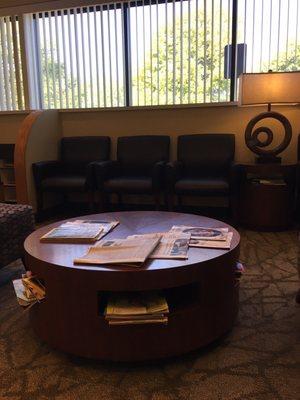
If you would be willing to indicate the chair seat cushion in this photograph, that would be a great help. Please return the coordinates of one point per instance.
(65, 183)
(202, 186)
(127, 184)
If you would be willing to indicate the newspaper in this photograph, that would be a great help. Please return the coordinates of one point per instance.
(79, 231)
(136, 308)
(213, 244)
(29, 290)
(131, 252)
(172, 245)
(201, 232)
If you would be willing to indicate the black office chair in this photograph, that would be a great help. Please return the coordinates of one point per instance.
(73, 172)
(203, 166)
(139, 168)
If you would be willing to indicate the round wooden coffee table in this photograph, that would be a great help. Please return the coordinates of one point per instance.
(202, 293)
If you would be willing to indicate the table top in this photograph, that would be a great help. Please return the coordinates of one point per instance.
(132, 222)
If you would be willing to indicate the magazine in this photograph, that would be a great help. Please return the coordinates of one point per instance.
(172, 245)
(29, 291)
(136, 308)
(213, 244)
(79, 231)
(131, 252)
(202, 233)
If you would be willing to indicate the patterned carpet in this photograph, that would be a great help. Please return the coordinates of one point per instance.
(258, 360)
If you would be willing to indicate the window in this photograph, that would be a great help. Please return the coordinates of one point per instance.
(81, 57)
(11, 92)
(144, 52)
(271, 31)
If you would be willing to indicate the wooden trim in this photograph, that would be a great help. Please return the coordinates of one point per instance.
(20, 157)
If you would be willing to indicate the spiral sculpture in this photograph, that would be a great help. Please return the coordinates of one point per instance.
(257, 145)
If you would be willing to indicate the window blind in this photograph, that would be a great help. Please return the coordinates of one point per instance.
(11, 80)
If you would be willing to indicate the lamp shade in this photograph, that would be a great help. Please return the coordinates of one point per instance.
(269, 88)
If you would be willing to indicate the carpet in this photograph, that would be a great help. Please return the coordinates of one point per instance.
(258, 360)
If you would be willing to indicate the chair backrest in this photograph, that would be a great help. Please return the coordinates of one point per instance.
(77, 152)
(207, 153)
(138, 154)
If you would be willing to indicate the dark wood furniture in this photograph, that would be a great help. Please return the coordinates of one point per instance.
(203, 167)
(202, 293)
(139, 168)
(267, 206)
(74, 171)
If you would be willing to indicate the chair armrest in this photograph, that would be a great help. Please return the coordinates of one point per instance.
(174, 171)
(103, 170)
(158, 175)
(45, 169)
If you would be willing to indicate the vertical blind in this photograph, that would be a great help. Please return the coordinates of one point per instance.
(81, 57)
(11, 81)
(143, 52)
(134, 53)
(271, 31)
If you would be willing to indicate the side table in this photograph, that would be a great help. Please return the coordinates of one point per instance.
(266, 196)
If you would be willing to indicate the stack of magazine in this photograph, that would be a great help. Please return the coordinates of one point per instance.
(214, 238)
(79, 231)
(136, 308)
(29, 290)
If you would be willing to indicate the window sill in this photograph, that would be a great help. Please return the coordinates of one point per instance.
(146, 108)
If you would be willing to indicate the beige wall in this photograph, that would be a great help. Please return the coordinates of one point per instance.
(9, 126)
(177, 121)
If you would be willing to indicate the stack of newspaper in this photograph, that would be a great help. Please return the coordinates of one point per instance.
(136, 249)
(136, 308)
(79, 231)
(214, 238)
(29, 290)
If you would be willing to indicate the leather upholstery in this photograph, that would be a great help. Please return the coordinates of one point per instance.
(128, 184)
(65, 183)
(73, 170)
(139, 167)
(206, 154)
(202, 185)
(77, 152)
(203, 166)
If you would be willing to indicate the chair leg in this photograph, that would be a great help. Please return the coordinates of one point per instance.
(170, 202)
(100, 201)
(119, 200)
(91, 201)
(179, 199)
(157, 201)
(39, 201)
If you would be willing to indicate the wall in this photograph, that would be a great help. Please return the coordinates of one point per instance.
(177, 121)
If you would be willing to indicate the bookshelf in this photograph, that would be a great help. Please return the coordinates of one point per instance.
(7, 173)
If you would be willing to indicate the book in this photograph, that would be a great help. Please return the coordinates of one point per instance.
(213, 244)
(79, 231)
(129, 252)
(172, 245)
(201, 233)
(129, 308)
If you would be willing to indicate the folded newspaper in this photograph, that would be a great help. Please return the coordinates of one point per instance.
(213, 244)
(131, 252)
(172, 245)
(29, 291)
(129, 308)
(79, 231)
(201, 233)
